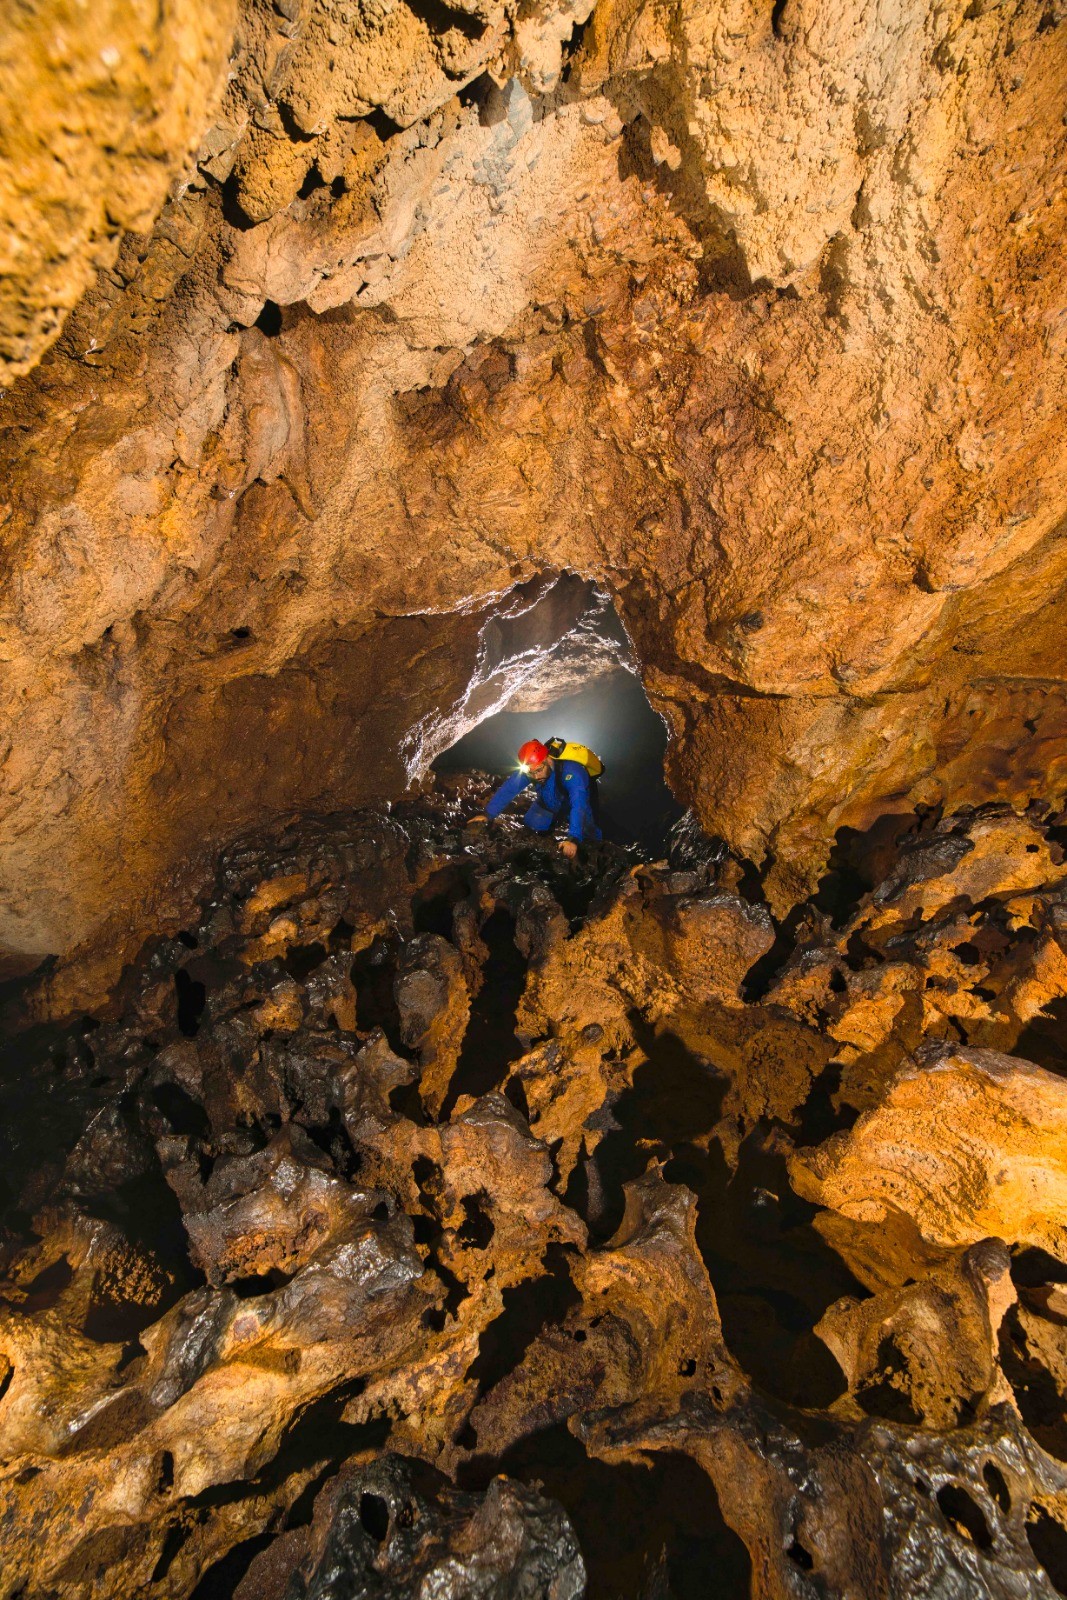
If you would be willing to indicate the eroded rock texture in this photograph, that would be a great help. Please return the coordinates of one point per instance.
(751, 315)
(433, 1216)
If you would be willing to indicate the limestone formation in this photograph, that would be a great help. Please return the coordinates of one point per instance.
(391, 1206)
(751, 318)
(330, 1273)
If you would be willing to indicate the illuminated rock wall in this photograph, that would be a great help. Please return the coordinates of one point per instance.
(752, 316)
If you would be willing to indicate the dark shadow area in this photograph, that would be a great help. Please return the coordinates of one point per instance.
(675, 1099)
(859, 860)
(433, 905)
(490, 1044)
(527, 1309)
(373, 975)
(773, 1274)
(1044, 1040)
(819, 1117)
(642, 1530)
(613, 717)
(222, 1577)
(1040, 1403)
(1048, 1541)
(145, 1209)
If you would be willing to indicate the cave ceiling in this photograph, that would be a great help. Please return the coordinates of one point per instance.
(330, 327)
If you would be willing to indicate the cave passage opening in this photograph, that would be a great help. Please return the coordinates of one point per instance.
(612, 716)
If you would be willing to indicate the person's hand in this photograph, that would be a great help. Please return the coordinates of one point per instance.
(569, 848)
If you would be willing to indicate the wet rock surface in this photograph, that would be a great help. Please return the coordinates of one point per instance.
(432, 1215)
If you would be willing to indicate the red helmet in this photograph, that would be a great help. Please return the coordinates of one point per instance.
(532, 753)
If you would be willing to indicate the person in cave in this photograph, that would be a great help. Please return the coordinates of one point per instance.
(564, 778)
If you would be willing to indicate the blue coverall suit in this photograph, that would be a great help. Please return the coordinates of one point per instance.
(566, 789)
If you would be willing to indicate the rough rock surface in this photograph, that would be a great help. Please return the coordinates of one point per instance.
(432, 1213)
(751, 315)
(99, 108)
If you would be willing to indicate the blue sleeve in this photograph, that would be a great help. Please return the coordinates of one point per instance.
(506, 793)
(577, 781)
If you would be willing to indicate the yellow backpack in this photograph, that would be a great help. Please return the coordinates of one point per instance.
(562, 750)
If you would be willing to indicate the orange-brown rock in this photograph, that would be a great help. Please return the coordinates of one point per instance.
(798, 413)
(929, 1350)
(99, 109)
(965, 1144)
(294, 1301)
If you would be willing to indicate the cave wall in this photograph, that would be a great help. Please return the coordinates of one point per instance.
(753, 316)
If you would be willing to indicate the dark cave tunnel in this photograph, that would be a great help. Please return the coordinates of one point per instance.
(611, 714)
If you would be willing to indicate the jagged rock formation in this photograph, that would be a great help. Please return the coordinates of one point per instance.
(395, 1210)
(751, 314)
(99, 110)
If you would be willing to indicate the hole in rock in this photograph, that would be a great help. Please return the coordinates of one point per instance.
(799, 1556)
(664, 1533)
(301, 960)
(192, 998)
(455, 1294)
(515, 1093)
(1031, 1267)
(1048, 1541)
(176, 1536)
(6, 1376)
(819, 1117)
(675, 1100)
(433, 905)
(997, 1486)
(860, 859)
(887, 1394)
(490, 1044)
(313, 179)
(257, 1284)
(269, 320)
(182, 1112)
(476, 1233)
(571, 48)
(1040, 1403)
(773, 1274)
(374, 1516)
(373, 974)
(964, 1515)
(611, 715)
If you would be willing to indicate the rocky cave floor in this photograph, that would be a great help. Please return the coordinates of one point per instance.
(437, 1218)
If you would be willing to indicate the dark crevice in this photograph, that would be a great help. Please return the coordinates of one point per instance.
(374, 976)
(664, 1536)
(222, 1578)
(301, 960)
(191, 998)
(1048, 1541)
(527, 1309)
(490, 1043)
(964, 1515)
(269, 320)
